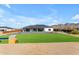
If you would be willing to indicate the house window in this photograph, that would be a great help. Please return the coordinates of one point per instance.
(40, 29)
(27, 30)
(2, 30)
(34, 29)
(49, 29)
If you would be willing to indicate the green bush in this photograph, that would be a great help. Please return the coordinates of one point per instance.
(75, 32)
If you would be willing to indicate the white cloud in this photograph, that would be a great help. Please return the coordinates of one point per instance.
(54, 11)
(4, 20)
(48, 20)
(2, 24)
(20, 21)
(76, 22)
(1, 16)
(2, 12)
(12, 20)
(56, 21)
(76, 17)
(7, 5)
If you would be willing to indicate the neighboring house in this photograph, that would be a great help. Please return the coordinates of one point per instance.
(4, 28)
(38, 28)
(8, 30)
(68, 27)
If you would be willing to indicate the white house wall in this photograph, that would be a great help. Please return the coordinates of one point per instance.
(5, 29)
(9, 29)
(47, 29)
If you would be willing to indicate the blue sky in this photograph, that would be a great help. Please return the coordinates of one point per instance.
(20, 15)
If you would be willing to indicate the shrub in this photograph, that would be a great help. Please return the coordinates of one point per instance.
(75, 32)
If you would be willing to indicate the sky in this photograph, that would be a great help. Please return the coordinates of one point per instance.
(21, 15)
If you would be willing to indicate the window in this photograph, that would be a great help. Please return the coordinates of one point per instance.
(1, 29)
(40, 29)
(34, 29)
(27, 30)
(49, 29)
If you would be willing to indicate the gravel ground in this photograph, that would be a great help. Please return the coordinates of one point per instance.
(66, 48)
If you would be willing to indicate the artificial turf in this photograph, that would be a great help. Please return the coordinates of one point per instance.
(45, 38)
(42, 38)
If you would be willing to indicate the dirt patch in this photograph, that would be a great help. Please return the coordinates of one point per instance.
(40, 49)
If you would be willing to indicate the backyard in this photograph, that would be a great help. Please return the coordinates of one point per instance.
(41, 38)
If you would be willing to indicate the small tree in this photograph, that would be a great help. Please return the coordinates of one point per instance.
(75, 31)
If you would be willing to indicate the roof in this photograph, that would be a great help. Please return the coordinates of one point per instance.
(6, 27)
(37, 26)
(66, 26)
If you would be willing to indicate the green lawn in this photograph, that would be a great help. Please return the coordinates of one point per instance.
(42, 38)
(45, 38)
(4, 41)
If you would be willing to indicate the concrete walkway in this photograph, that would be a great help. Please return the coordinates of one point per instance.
(66, 48)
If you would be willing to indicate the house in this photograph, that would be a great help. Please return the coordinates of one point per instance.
(38, 28)
(68, 27)
(5, 30)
